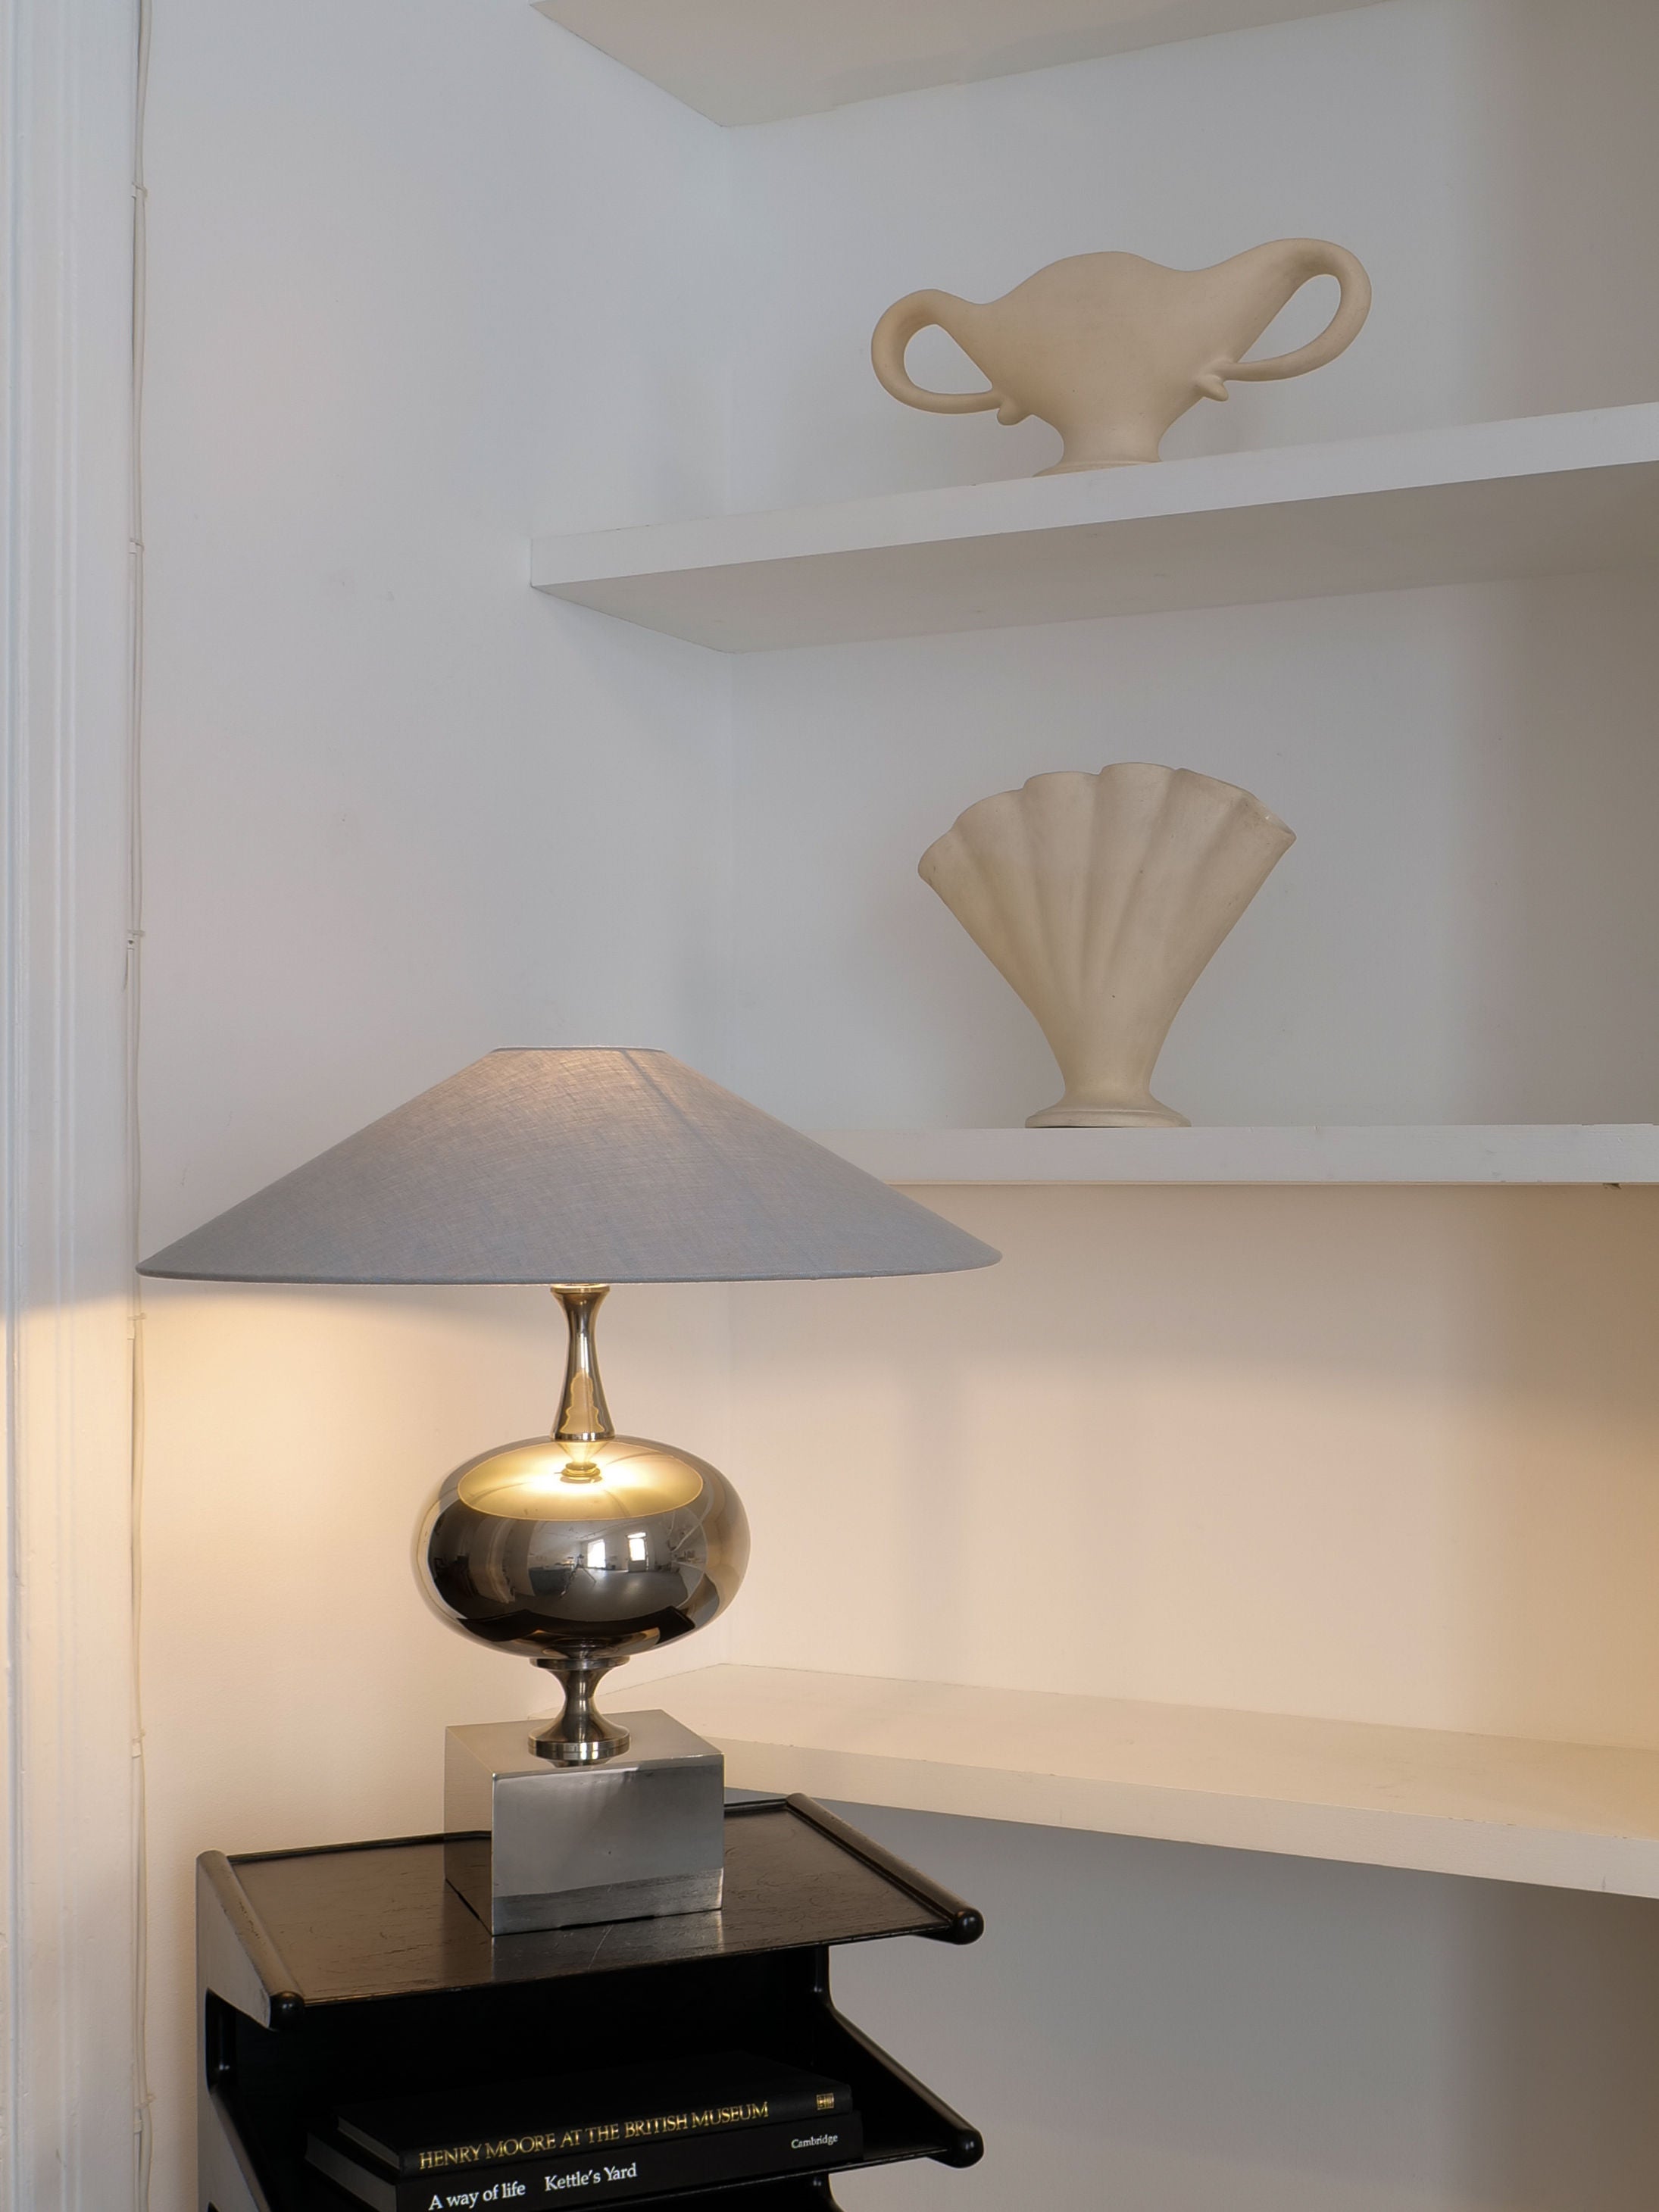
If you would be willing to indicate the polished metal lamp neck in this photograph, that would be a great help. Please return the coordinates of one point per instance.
(581, 1736)
(584, 1417)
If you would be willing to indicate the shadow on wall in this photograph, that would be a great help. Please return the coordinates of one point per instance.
(1555, 790)
(1158, 2027)
(1556, 120)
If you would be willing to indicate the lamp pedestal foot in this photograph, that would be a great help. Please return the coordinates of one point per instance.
(534, 1844)
(581, 1736)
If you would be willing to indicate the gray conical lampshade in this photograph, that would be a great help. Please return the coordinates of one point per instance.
(572, 1164)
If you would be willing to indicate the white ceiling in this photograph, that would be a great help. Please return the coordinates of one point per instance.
(754, 61)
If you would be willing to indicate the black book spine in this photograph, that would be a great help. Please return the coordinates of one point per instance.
(804, 2146)
(670, 2125)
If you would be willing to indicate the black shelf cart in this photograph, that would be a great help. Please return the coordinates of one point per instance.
(333, 1975)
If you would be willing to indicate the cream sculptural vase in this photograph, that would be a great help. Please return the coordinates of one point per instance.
(1112, 349)
(1102, 899)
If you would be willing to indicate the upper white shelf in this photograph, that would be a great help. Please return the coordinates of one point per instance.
(755, 61)
(1545, 495)
(1525, 1153)
(1572, 1816)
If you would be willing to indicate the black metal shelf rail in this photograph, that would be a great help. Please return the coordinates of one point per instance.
(265, 2084)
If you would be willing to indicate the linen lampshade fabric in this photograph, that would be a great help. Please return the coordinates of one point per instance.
(572, 1164)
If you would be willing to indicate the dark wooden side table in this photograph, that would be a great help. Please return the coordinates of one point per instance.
(325, 1976)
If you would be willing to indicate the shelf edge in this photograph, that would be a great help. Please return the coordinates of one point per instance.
(1567, 1816)
(1466, 1155)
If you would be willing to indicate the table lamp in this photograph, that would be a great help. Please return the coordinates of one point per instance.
(579, 1168)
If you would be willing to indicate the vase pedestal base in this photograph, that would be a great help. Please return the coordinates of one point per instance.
(1108, 1117)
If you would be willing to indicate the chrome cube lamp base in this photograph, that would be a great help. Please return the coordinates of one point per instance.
(581, 1550)
(530, 1845)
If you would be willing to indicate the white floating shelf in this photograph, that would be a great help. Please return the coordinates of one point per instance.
(1571, 1816)
(1605, 1153)
(755, 61)
(1547, 494)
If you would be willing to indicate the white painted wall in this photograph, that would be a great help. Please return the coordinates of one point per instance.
(427, 276)
(398, 809)
(1171, 2029)
(1273, 1421)
(1381, 1455)
(1491, 162)
(1462, 932)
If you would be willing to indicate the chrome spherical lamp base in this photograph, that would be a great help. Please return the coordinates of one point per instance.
(583, 1548)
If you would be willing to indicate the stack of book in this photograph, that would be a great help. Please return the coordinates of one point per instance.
(578, 2138)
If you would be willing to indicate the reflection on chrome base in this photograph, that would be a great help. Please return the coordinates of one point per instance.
(532, 1845)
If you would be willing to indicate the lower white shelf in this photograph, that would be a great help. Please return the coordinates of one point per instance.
(1520, 1153)
(1569, 1816)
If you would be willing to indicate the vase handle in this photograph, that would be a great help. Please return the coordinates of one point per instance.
(1313, 257)
(920, 311)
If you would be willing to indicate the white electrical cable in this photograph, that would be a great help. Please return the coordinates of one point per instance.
(143, 2140)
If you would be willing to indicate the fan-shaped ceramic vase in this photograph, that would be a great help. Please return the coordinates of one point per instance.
(1102, 899)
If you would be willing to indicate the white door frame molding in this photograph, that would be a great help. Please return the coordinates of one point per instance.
(68, 1861)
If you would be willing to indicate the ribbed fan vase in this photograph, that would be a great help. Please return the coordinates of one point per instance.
(1102, 899)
